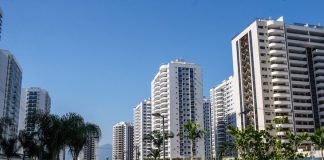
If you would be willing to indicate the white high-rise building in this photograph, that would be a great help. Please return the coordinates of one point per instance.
(279, 72)
(123, 135)
(208, 129)
(10, 89)
(33, 99)
(142, 127)
(177, 95)
(90, 150)
(223, 114)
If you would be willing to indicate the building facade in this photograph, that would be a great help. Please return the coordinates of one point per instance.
(10, 89)
(278, 71)
(123, 135)
(90, 150)
(208, 129)
(177, 95)
(223, 114)
(33, 99)
(142, 127)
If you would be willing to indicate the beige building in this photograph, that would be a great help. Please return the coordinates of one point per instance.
(279, 72)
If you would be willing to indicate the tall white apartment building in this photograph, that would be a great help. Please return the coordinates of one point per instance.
(223, 114)
(91, 149)
(208, 129)
(10, 88)
(177, 95)
(142, 126)
(123, 135)
(33, 99)
(279, 71)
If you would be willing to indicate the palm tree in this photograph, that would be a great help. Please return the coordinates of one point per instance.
(194, 132)
(77, 132)
(10, 147)
(50, 134)
(318, 138)
(28, 143)
(5, 123)
(157, 140)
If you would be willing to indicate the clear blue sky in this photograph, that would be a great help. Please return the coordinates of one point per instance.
(98, 57)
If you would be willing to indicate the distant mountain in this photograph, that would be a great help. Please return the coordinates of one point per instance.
(105, 151)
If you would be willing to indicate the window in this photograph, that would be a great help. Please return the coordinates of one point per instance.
(261, 34)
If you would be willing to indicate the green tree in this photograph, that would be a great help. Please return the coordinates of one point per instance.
(77, 132)
(261, 145)
(29, 144)
(318, 138)
(156, 138)
(193, 132)
(50, 133)
(10, 147)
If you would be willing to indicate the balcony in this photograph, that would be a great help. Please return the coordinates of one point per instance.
(281, 95)
(276, 87)
(282, 80)
(276, 32)
(297, 55)
(279, 73)
(304, 76)
(298, 62)
(278, 59)
(276, 39)
(282, 110)
(278, 66)
(284, 125)
(277, 52)
(296, 49)
(279, 102)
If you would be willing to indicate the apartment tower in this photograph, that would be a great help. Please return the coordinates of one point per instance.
(223, 114)
(208, 129)
(142, 126)
(90, 150)
(10, 89)
(33, 99)
(177, 96)
(279, 72)
(123, 134)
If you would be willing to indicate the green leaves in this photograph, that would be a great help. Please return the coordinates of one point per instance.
(261, 145)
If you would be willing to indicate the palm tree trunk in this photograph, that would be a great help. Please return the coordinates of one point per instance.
(192, 150)
(322, 153)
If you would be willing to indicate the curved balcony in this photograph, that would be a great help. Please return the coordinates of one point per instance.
(278, 59)
(281, 95)
(319, 58)
(278, 66)
(284, 125)
(298, 62)
(274, 24)
(276, 45)
(279, 102)
(275, 32)
(281, 133)
(279, 73)
(276, 39)
(319, 71)
(282, 110)
(319, 78)
(280, 88)
(296, 55)
(296, 49)
(275, 52)
(275, 80)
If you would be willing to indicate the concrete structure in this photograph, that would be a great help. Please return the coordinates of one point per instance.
(142, 127)
(208, 129)
(223, 114)
(123, 135)
(33, 99)
(278, 72)
(177, 95)
(10, 89)
(90, 150)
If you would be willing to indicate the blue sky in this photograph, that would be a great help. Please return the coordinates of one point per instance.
(98, 57)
